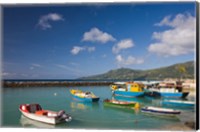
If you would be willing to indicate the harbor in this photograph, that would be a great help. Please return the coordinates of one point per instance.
(84, 113)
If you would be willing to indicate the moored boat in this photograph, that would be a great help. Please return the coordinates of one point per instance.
(160, 111)
(84, 96)
(129, 89)
(179, 102)
(35, 112)
(169, 90)
(123, 104)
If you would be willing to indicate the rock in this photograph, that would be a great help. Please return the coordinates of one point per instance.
(190, 124)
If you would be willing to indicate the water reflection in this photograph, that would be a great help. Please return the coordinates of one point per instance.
(81, 105)
(153, 116)
(26, 122)
(161, 103)
(121, 98)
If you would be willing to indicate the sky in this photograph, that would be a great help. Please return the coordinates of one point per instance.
(77, 40)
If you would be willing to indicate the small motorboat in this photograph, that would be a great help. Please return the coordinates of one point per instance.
(84, 96)
(121, 103)
(35, 112)
(160, 111)
(179, 102)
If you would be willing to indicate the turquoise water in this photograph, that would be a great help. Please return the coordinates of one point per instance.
(85, 115)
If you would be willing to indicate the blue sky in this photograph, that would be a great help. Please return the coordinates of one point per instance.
(72, 41)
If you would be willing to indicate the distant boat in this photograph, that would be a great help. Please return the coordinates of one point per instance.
(160, 111)
(169, 89)
(168, 92)
(35, 112)
(84, 96)
(179, 102)
(121, 103)
(127, 89)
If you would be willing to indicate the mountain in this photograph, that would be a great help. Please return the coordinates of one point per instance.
(173, 71)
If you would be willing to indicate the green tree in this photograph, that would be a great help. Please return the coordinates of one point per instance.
(182, 70)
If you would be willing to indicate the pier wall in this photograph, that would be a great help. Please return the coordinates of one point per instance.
(52, 84)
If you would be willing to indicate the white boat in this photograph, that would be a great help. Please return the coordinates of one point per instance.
(160, 111)
(179, 102)
(26, 122)
(35, 112)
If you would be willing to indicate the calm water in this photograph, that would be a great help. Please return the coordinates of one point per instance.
(85, 115)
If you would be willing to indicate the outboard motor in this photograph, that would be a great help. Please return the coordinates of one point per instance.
(67, 117)
(61, 112)
(64, 116)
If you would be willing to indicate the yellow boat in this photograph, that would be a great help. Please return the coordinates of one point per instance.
(84, 96)
(128, 89)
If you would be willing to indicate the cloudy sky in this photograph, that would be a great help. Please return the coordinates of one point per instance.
(72, 41)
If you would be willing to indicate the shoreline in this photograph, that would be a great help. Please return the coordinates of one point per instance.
(186, 126)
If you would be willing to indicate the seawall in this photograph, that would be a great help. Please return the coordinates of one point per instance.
(52, 84)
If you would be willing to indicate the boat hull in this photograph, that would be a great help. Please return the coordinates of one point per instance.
(128, 94)
(86, 99)
(24, 121)
(179, 103)
(44, 119)
(152, 94)
(174, 95)
(160, 112)
(131, 105)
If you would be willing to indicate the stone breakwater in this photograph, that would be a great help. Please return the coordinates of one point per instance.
(52, 84)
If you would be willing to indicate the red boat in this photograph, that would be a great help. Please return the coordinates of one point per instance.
(35, 112)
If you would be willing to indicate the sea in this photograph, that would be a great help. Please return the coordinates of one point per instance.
(88, 115)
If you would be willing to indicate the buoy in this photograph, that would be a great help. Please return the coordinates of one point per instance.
(55, 94)
(137, 106)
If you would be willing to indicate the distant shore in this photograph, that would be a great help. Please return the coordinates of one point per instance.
(53, 83)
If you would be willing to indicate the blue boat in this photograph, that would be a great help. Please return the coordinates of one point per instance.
(128, 94)
(170, 89)
(179, 102)
(128, 89)
(166, 93)
(174, 95)
(84, 96)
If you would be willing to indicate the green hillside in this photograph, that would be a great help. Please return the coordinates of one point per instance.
(173, 71)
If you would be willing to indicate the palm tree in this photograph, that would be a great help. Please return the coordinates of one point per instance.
(182, 71)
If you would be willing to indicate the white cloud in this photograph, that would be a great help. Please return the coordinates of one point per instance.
(44, 21)
(64, 67)
(36, 65)
(123, 44)
(96, 35)
(77, 49)
(178, 40)
(90, 49)
(104, 56)
(74, 64)
(130, 60)
(33, 66)
(8, 74)
(72, 69)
